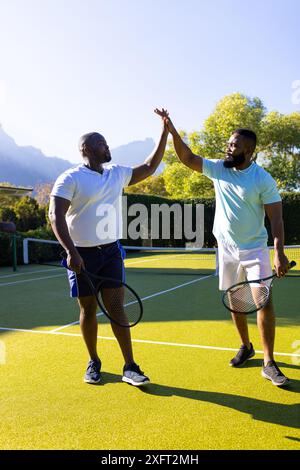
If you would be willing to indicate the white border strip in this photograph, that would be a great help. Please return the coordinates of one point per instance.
(25, 273)
(2, 284)
(143, 341)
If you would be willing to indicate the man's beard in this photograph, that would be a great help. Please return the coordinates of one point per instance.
(236, 160)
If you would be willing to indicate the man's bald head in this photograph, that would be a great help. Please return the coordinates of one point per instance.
(94, 148)
(90, 141)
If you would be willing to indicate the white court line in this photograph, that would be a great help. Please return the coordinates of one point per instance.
(144, 341)
(128, 262)
(144, 298)
(49, 277)
(29, 272)
(55, 269)
(29, 280)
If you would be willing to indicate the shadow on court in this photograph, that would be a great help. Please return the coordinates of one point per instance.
(258, 363)
(296, 439)
(274, 413)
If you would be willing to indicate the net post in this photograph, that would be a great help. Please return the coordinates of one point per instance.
(14, 251)
(217, 263)
(25, 251)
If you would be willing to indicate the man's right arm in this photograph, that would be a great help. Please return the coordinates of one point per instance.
(184, 153)
(57, 215)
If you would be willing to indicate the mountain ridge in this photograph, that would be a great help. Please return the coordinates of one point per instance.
(29, 166)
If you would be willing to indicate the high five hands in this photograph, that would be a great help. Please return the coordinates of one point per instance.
(163, 113)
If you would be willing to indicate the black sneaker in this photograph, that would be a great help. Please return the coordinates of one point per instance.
(242, 356)
(133, 375)
(93, 375)
(272, 372)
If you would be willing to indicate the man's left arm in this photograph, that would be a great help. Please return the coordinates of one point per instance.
(141, 172)
(274, 213)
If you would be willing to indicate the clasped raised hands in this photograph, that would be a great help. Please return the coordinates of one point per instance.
(163, 113)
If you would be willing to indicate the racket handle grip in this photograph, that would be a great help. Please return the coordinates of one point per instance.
(292, 264)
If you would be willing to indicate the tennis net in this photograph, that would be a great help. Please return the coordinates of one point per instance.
(171, 261)
(150, 260)
(141, 260)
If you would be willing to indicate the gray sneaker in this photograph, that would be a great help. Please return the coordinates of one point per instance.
(133, 375)
(272, 372)
(242, 356)
(92, 374)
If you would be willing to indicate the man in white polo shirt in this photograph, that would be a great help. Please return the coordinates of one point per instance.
(85, 214)
(244, 193)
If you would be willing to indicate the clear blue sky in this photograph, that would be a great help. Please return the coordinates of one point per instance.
(71, 66)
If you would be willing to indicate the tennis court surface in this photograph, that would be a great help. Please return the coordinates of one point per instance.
(184, 343)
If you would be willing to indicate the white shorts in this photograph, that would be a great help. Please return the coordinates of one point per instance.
(240, 265)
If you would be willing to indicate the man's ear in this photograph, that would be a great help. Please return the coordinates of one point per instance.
(85, 150)
(250, 148)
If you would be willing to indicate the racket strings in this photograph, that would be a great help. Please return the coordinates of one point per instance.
(122, 305)
(247, 298)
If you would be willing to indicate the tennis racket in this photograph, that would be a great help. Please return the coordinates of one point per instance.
(249, 296)
(119, 302)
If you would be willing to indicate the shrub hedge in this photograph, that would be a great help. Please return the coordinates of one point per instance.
(291, 212)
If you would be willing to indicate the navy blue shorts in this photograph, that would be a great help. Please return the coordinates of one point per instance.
(101, 261)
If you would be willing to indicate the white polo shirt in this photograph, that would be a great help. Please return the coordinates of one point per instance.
(95, 213)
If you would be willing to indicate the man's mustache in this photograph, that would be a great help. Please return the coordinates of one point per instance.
(234, 160)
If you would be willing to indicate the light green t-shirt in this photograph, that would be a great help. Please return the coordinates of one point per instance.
(240, 199)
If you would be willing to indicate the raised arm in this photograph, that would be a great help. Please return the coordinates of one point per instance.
(184, 153)
(57, 215)
(274, 213)
(150, 165)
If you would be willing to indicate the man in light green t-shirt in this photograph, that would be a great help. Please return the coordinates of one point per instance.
(245, 192)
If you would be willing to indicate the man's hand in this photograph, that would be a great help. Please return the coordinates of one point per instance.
(184, 153)
(74, 261)
(281, 264)
(163, 113)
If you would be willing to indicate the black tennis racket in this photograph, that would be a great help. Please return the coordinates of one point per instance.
(249, 296)
(116, 299)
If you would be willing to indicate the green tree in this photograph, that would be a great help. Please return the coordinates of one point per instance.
(232, 112)
(193, 140)
(280, 145)
(152, 185)
(181, 182)
(29, 214)
(7, 214)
